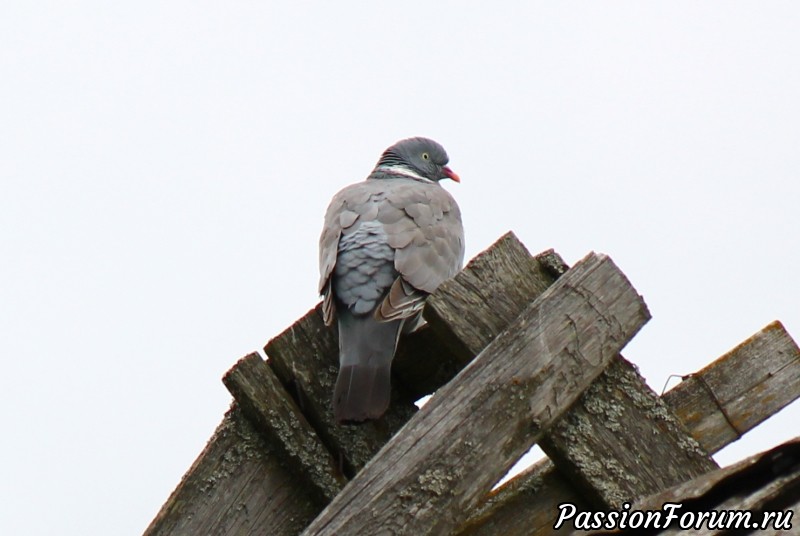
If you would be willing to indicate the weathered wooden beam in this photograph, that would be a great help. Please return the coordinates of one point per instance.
(264, 401)
(741, 389)
(768, 481)
(492, 290)
(244, 486)
(467, 436)
(468, 311)
(771, 352)
(620, 441)
(238, 485)
(588, 444)
(305, 356)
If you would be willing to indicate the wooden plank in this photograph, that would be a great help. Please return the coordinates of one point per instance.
(741, 389)
(621, 442)
(472, 430)
(305, 359)
(768, 481)
(470, 310)
(238, 485)
(305, 356)
(588, 444)
(495, 286)
(274, 414)
(771, 348)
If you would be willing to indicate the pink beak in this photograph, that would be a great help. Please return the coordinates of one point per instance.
(449, 173)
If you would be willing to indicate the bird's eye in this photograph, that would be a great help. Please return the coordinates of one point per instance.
(425, 156)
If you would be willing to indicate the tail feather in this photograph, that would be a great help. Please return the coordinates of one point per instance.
(361, 393)
(366, 349)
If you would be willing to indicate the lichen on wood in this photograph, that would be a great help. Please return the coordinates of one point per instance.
(549, 355)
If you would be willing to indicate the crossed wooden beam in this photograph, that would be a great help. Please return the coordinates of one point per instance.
(517, 350)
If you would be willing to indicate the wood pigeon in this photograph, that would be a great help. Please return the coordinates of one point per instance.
(386, 244)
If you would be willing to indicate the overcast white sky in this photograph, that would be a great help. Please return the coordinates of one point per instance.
(165, 167)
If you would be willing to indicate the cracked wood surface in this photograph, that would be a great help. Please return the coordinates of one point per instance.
(620, 441)
(305, 356)
(253, 485)
(472, 430)
(274, 414)
(238, 485)
(768, 361)
(741, 389)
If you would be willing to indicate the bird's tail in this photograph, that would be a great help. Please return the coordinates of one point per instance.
(366, 349)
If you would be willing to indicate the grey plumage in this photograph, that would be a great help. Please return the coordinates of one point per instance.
(387, 243)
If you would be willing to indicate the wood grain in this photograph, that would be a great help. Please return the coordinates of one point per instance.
(305, 359)
(305, 356)
(468, 311)
(471, 431)
(689, 401)
(238, 485)
(274, 414)
(741, 389)
(620, 441)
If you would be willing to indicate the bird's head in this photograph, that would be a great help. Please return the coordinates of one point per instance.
(417, 158)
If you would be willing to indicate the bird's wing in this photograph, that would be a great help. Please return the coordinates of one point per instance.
(346, 207)
(423, 225)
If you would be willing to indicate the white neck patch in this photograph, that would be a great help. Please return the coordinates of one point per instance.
(404, 171)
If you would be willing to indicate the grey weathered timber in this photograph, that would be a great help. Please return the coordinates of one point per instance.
(263, 400)
(587, 443)
(496, 286)
(305, 358)
(768, 481)
(238, 485)
(425, 480)
(620, 441)
(468, 311)
(772, 347)
(741, 389)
